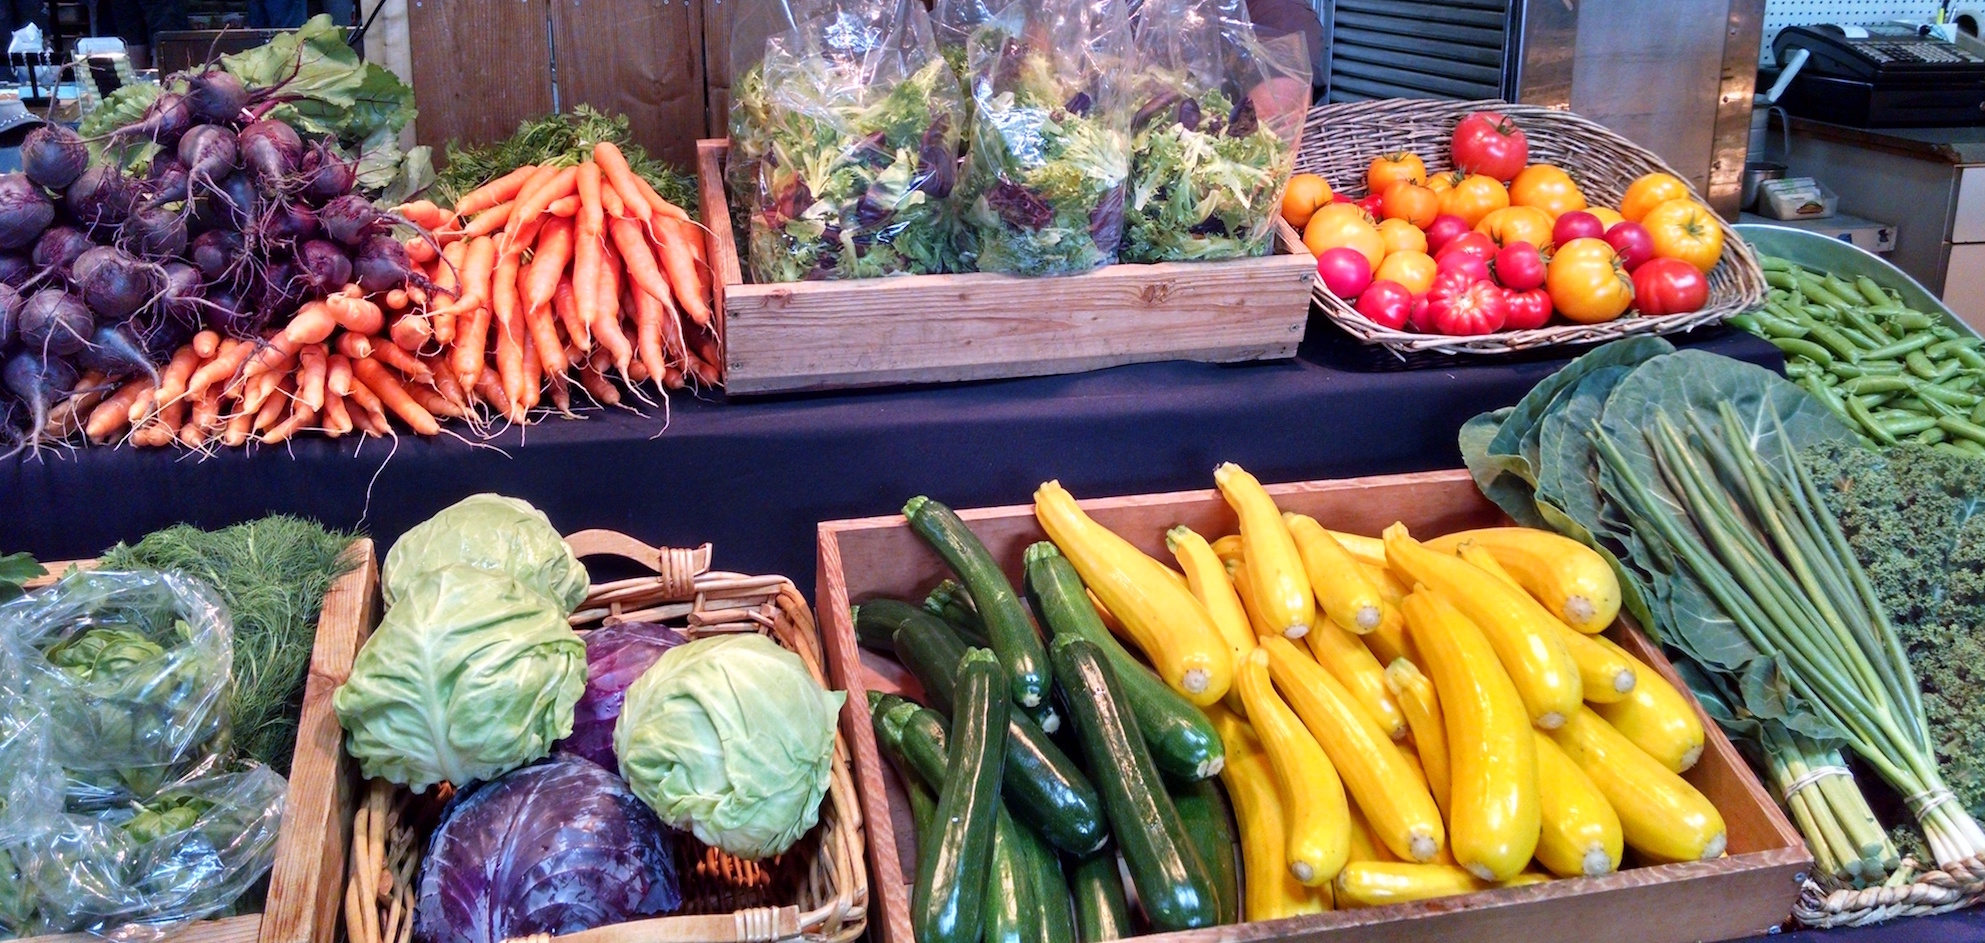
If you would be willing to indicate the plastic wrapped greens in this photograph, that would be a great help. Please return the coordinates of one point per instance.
(1049, 148)
(1219, 115)
(845, 138)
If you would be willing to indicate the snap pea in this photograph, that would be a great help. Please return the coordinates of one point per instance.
(1949, 397)
(1778, 327)
(1866, 420)
(1913, 342)
(1801, 368)
(1816, 291)
(1952, 449)
(1963, 381)
(1867, 368)
(1962, 429)
(1930, 436)
(1782, 278)
(1862, 385)
(1978, 413)
(1968, 447)
(1947, 372)
(1772, 263)
(1900, 423)
(1949, 348)
(1969, 358)
(1826, 395)
(1777, 309)
(1870, 290)
(1859, 338)
(1912, 320)
(1935, 407)
(1920, 364)
(1944, 332)
(1745, 323)
(1832, 340)
(1872, 400)
(1842, 288)
(1866, 325)
(1795, 347)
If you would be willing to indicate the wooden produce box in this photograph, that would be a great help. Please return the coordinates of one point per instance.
(1749, 891)
(935, 328)
(307, 882)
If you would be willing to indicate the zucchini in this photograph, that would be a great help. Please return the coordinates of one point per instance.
(1052, 918)
(1011, 911)
(950, 602)
(947, 902)
(871, 634)
(1045, 789)
(1097, 885)
(1210, 824)
(1182, 741)
(1007, 626)
(889, 740)
(1173, 885)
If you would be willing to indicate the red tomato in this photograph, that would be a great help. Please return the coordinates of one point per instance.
(1632, 243)
(1443, 229)
(1476, 269)
(1373, 205)
(1488, 143)
(1519, 267)
(1527, 309)
(1419, 320)
(1669, 286)
(1577, 224)
(1470, 243)
(1387, 304)
(1341, 197)
(1344, 270)
(1461, 307)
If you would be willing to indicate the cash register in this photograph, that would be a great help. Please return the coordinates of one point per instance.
(1883, 76)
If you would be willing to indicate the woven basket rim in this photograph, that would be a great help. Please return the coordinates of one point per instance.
(1938, 891)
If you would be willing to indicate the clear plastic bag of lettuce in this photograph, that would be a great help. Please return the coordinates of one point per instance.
(1218, 116)
(844, 140)
(131, 670)
(1050, 150)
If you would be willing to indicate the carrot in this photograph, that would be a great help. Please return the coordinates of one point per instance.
(396, 299)
(561, 394)
(679, 261)
(634, 255)
(354, 314)
(298, 418)
(611, 205)
(450, 389)
(337, 419)
(648, 314)
(312, 324)
(114, 413)
(491, 221)
(369, 404)
(531, 205)
(566, 206)
(533, 375)
(393, 395)
(206, 343)
(227, 361)
(619, 176)
(470, 342)
(423, 213)
(592, 376)
(420, 251)
(663, 208)
(273, 406)
(501, 190)
(478, 267)
(637, 373)
(310, 376)
(411, 332)
(431, 400)
(263, 386)
(591, 213)
(178, 372)
(205, 419)
(606, 317)
(509, 339)
(354, 346)
(565, 306)
(394, 356)
(553, 250)
(338, 374)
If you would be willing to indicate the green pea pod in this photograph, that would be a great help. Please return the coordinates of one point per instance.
(1970, 358)
(1962, 429)
(1919, 364)
(1793, 347)
(1866, 420)
(1817, 292)
(1775, 326)
(1900, 423)
(1800, 368)
(1912, 320)
(1902, 347)
(1834, 341)
(1930, 436)
(1842, 287)
(1935, 407)
(1978, 413)
(1781, 278)
(1968, 446)
(1856, 336)
(1745, 323)
(1870, 290)
(1826, 395)
(1958, 398)
(1772, 263)
(1860, 385)
(1867, 326)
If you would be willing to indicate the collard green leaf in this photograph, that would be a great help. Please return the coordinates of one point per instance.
(15, 570)
(1542, 398)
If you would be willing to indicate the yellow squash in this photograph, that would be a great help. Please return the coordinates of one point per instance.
(1270, 892)
(1581, 834)
(1363, 846)
(1394, 798)
(1353, 665)
(1318, 831)
(1604, 676)
(1366, 550)
(1525, 636)
(1661, 815)
(1389, 641)
(1207, 577)
(1275, 571)
(1377, 883)
(1654, 715)
(1160, 615)
(1494, 813)
(1421, 705)
(1342, 589)
(1569, 578)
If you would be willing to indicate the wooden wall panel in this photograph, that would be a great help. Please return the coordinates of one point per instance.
(482, 66)
(643, 58)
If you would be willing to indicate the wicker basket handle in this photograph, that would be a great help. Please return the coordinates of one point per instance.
(677, 567)
(756, 925)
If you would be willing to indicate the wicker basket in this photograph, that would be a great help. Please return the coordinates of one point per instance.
(817, 891)
(1933, 892)
(1339, 142)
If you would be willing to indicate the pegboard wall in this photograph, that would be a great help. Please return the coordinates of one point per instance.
(1779, 14)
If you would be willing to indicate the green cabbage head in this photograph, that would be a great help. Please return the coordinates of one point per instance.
(488, 532)
(730, 738)
(470, 675)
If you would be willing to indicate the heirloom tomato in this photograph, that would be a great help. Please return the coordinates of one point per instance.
(1632, 243)
(1388, 169)
(1487, 142)
(1587, 283)
(1547, 188)
(1344, 224)
(1578, 224)
(1519, 267)
(1411, 202)
(1443, 230)
(1415, 270)
(1649, 191)
(1474, 197)
(1344, 271)
(1527, 309)
(1517, 224)
(1458, 306)
(1687, 230)
(1401, 236)
(1669, 286)
(1306, 192)
(1388, 304)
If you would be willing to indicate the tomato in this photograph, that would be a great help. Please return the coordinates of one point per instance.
(1441, 183)
(1607, 218)
(1587, 283)
(1547, 188)
(1411, 202)
(1632, 243)
(1341, 198)
(1687, 230)
(1578, 224)
(1389, 169)
(1443, 230)
(1387, 304)
(1527, 309)
(1344, 271)
(1469, 243)
(1300, 200)
(1669, 286)
(1649, 191)
(1474, 197)
(1475, 268)
(1415, 270)
(1486, 142)
(1458, 306)
(1419, 320)
(1401, 236)
(1517, 224)
(1373, 204)
(1344, 225)
(1519, 267)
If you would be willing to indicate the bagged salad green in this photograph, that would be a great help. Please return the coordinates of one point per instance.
(844, 141)
(1049, 149)
(1218, 116)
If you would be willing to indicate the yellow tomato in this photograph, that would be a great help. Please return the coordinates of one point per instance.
(1586, 282)
(1650, 191)
(1547, 188)
(1607, 218)
(1300, 201)
(1329, 230)
(1441, 183)
(1410, 268)
(1402, 236)
(1389, 169)
(1411, 202)
(1474, 197)
(1687, 230)
(1517, 224)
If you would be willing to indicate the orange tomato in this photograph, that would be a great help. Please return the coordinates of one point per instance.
(1687, 230)
(1401, 236)
(1473, 197)
(1389, 169)
(1547, 188)
(1650, 191)
(1517, 224)
(1410, 268)
(1329, 229)
(1586, 282)
(1607, 217)
(1411, 202)
(1305, 193)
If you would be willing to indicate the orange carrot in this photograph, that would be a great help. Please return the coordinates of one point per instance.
(420, 251)
(648, 314)
(532, 205)
(179, 372)
(369, 404)
(337, 420)
(221, 369)
(561, 393)
(396, 357)
(355, 346)
(501, 190)
(114, 413)
(509, 329)
(423, 213)
(637, 373)
(449, 388)
(338, 374)
(357, 315)
(548, 261)
(565, 306)
(258, 389)
(567, 206)
(634, 255)
(662, 208)
(673, 242)
(431, 400)
(273, 406)
(606, 323)
(396, 299)
(611, 204)
(533, 375)
(206, 343)
(448, 274)
(619, 176)
(394, 396)
(492, 220)
(411, 331)
(592, 376)
(298, 418)
(310, 376)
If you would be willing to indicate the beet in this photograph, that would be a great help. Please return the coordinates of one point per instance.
(54, 156)
(282, 289)
(101, 198)
(54, 323)
(228, 204)
(326, 267)
(285, 223)
(16, 268)
(116, 351)
(350, 219)
(326, 175)
(156, 233)
(87, 263)
(10, 315)
(180, 294)
(169, 183)
(166, 120)
(216, 96)
(271, 151)
(39, 381)
(209, 153)
(216, 253)
(24, 211)
(116, 287)
(382, 264)
(59, 247)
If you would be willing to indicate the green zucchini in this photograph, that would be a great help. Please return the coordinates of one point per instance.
(950, 602)
(889, 740)
(1010, 906)
(1045, 789)
(1173, 884)
(947, 902)
(1182, 740)
(869, 633)
(1202, 804)
(1007, 626)
(1052, 918)
(1097, 886)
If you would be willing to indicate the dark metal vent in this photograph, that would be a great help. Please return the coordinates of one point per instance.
(1443, 49)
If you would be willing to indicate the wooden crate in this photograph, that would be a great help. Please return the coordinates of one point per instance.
(1749, 891)
(306, 885)
(937, 328)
